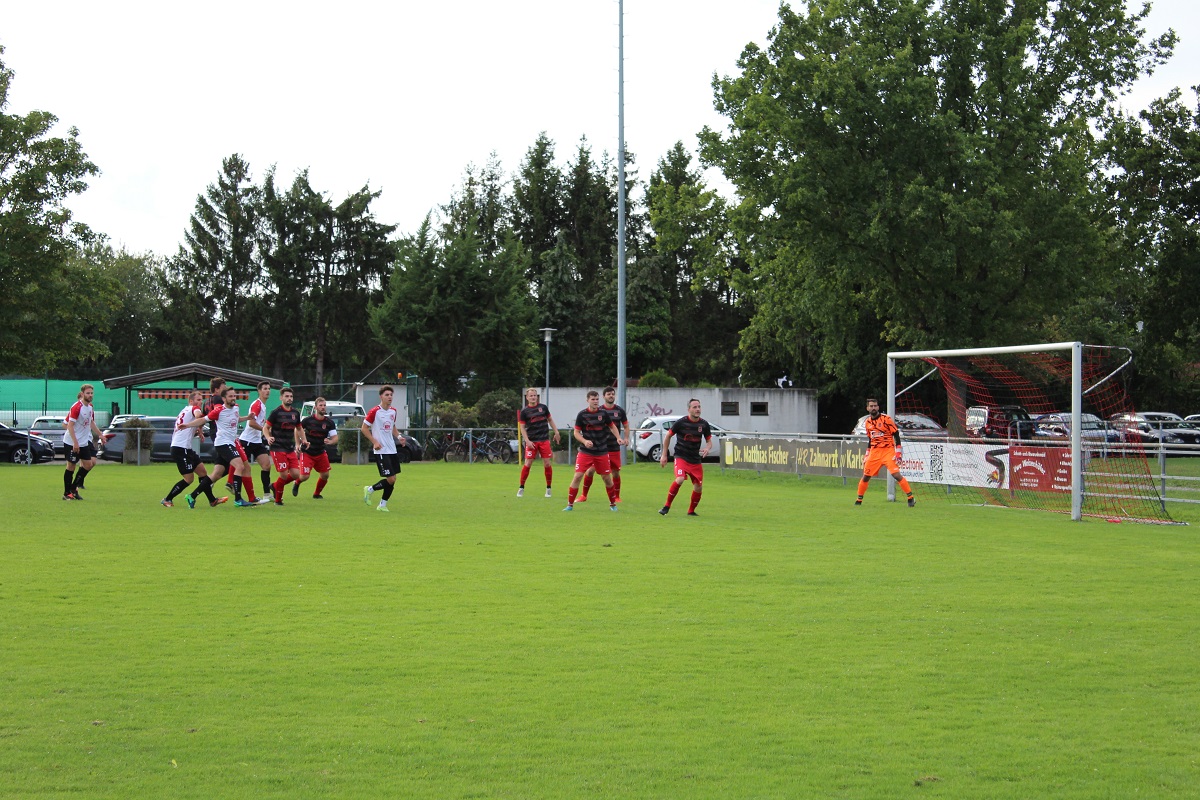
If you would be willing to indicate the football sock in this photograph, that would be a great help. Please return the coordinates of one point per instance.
(862, 488)
(695, 502)
(82, 473)
(387, 490)
(179, 486)
(266, 481)
(205, 487)
(612, 493)
(524, 475)
(232, 480)
(382, 483)
(587, 485)
(674, 490)
(237, 487)
(572, 493)
(68, 478)
(617, 484)
(248, 485)
(320, 485)
(904, 487)
(549, 476)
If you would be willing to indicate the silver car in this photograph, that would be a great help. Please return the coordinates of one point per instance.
(53, 429)
(648, 437)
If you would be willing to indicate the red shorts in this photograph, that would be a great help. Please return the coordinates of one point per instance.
(690, 470)
(878, 457)
(536, 449)
(317, 464)
(585, 461)
(614, 460)
(285, 460)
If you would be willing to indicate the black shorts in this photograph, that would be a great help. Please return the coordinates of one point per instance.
(87, 452)
(387, 463)
(254, 449)
(225, 454)
(186, 459)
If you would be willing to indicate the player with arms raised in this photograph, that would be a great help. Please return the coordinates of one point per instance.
(883, 450)
(689, 432)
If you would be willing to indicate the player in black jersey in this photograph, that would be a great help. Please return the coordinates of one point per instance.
(693, 438)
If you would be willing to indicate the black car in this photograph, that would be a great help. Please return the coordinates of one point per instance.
(18, 447)
(411, 451)
(113, 447)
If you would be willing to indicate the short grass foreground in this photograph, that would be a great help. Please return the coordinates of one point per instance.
(472, 644)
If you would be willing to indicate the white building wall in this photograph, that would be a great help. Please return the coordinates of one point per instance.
(758, 410)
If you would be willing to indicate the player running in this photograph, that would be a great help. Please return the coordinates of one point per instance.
(883, 450)
(187, 460)
(80, 425)
(535, 423)
(592, 427)
(320, 432)
(621, 420)
(689, 432)
(254, 449)
(284, 435)
(379, 426)
(226, 419)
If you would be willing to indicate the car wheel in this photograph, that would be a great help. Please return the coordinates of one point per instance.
(22, 455)
(405, 454)
(655, 452)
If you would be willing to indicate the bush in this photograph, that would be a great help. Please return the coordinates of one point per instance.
(453, 414)
(139, 434)
(498, 408)
(349, 435)
(657, 379)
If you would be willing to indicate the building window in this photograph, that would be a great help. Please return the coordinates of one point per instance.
(758, 409)
(730, 408)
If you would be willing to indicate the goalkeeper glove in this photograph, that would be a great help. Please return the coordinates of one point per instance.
(899, 455)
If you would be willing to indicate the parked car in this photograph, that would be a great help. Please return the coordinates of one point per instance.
(1000, 422)
(647, 437)
(1057, 426)
(113, 447)
(19, 447)
(912, 426)
(334, 408)
(1154, 427)
(52, 430)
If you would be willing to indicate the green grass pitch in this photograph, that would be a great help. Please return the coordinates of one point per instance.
(475, 645)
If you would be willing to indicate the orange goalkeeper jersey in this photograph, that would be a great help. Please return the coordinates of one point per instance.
(881, 432)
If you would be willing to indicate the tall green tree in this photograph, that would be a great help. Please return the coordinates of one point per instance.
(1153, 181)
(223, 237)
(53, 306)
(918, 175)
(537, 205)
(454, 316)
(691, 237)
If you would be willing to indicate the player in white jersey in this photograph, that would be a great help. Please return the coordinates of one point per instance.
(187, 460)
(379, 427)
(226, 418)
(80, 424)
(253, 445)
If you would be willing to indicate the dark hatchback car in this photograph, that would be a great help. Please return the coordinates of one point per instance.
(113, 448)
(19, 448)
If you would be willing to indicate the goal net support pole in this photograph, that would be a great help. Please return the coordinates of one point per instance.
(1076, 349)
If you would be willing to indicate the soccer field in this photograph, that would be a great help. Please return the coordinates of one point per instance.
(471, 644)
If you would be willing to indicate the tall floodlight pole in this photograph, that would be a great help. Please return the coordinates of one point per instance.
(621, 203)
(547, 335)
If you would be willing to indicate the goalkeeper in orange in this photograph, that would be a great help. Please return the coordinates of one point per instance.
(883, 450)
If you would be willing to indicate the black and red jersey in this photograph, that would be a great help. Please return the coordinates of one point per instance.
(537, 422)
(688, 438)
(618, 417)
(593, 426)
(283, 422)
(317, 431)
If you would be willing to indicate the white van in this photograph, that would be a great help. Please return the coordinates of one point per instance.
(334, 408)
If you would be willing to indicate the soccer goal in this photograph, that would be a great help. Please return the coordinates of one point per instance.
(1026, 427)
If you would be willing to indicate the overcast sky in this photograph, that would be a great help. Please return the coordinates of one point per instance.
(401, 96)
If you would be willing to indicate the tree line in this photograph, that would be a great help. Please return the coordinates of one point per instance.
(906, 175)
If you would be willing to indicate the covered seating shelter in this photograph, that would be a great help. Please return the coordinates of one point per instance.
(148, 384)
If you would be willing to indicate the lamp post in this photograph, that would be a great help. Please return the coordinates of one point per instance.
(547, 336)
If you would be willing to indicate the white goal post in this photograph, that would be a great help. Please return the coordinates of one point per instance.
(1076, 349)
